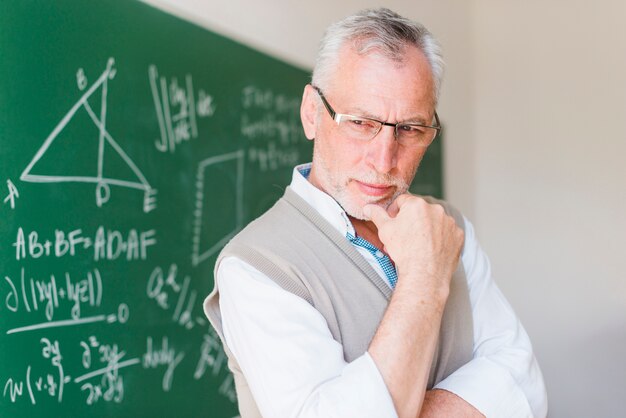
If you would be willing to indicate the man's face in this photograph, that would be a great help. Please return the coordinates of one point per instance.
(355, 172)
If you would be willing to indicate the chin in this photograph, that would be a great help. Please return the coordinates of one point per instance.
(354, 208)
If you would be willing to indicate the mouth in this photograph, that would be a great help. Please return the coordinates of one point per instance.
(375, 190)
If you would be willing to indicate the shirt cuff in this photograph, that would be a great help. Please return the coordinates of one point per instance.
(488, 388)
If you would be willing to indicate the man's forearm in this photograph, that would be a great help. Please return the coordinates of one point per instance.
(441, 403)
(404, 345)
(425, 244)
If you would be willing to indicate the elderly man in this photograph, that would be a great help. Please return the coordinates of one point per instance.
(351, 297)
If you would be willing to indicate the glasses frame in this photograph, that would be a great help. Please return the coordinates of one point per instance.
(338, 116)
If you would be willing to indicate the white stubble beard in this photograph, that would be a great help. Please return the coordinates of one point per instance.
(337, 188)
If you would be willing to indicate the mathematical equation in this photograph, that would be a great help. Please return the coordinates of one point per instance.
(88, 310)
(106, 244)
(100, 371)
(45, 294)
(178, 108)
(274, 116)
(99, 367)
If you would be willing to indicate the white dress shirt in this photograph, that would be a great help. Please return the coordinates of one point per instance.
(295, 368)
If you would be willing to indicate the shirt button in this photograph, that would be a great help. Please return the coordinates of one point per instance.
(379, 254)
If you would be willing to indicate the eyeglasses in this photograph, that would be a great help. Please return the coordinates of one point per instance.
(365, 129)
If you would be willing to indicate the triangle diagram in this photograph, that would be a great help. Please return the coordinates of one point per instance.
(80, 132)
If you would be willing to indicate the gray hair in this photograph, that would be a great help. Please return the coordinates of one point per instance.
(381, 30)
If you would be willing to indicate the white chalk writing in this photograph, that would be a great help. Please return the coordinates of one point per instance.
(164, 356)
(13, 193)
(105, 244)
(105, 140)
(178, 109)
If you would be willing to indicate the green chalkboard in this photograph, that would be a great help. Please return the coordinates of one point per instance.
(133, 145)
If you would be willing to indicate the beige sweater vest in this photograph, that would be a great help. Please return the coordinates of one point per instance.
(297, 248)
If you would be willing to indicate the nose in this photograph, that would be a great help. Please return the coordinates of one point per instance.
(382, 151)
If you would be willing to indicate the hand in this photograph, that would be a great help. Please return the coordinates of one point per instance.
(424, 242)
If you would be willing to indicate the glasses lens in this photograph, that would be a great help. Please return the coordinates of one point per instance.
(359, 128)
(415, 134)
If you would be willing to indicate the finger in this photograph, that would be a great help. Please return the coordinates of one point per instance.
(401, 200)
(393, 209)
(376, 214)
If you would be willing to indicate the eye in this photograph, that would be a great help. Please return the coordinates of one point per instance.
(362, 124)
(411, 129)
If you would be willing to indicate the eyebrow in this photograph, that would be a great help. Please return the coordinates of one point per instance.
(418, 120)
(364, 113)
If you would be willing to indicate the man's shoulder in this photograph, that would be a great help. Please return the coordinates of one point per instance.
(273, 219)
(277, 226)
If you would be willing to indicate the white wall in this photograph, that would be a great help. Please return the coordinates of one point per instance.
(535, 106)
(550, 113)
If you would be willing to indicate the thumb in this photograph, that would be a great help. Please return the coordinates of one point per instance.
(376, 214)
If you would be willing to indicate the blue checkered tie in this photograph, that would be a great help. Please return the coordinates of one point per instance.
(384, 261)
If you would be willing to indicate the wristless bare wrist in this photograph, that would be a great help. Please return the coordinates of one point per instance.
(423, 288)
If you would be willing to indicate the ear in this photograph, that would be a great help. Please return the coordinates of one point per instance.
(308, 111)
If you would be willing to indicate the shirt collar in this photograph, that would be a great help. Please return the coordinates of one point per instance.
(320, 201)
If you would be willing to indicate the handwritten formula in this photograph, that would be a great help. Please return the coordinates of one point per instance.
(133, 146)
(101, 298)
